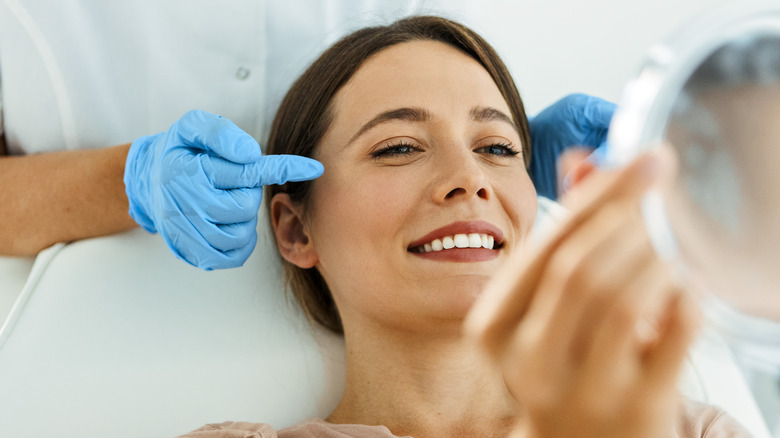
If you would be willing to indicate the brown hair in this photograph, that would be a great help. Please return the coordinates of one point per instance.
(305, 115)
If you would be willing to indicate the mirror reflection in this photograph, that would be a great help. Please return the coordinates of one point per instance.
(725, 205)
(713, 93)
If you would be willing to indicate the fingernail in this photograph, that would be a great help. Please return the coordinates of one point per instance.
(566, 183)
(651, 165)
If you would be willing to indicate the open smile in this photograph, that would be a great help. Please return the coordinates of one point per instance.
(460, 241)
(472, 240)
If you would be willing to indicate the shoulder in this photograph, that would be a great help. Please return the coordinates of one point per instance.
(231, 429)
(707, 421)
(309, 429)
(323, 429)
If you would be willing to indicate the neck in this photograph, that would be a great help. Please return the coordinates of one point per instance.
(422, 385)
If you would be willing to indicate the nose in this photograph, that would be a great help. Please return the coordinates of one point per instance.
(460, 175)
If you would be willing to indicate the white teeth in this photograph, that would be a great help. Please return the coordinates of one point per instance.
(473, 240)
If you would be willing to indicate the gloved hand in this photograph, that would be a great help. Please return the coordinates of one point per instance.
(575, 120)
(200, 185)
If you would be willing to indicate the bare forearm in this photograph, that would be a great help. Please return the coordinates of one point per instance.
(61, 196)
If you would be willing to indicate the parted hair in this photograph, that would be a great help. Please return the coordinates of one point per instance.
(306, 112)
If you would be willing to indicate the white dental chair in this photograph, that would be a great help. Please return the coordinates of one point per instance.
(116, 337)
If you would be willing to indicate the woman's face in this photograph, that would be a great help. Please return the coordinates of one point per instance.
(421, 154)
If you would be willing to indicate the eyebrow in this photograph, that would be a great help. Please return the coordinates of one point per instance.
(406, 114)
(413, 114)
(488, 114)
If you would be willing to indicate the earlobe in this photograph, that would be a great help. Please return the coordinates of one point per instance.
(291, 235)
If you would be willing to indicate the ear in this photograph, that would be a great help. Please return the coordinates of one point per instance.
(573, 167)
(292, 238)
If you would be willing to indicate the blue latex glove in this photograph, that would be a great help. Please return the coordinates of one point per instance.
(575, 120)
(200, 185)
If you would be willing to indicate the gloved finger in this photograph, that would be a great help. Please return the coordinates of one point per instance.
(213, 259)
(185, 242)
(191, 191)
(228, 237)
(212, 210)
(278, 169)
(236, 257)
(210, 132)
(231, 206)
(598, 113)
(239, 234)
(270, 169)
(192, 247)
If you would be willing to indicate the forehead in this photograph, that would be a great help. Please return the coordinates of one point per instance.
(427, 74)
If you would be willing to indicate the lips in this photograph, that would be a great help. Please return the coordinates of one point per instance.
(460, 241)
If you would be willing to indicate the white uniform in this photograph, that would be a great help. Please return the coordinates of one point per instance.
(86, 73)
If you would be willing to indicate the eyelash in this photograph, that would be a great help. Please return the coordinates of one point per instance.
(508, 150)
(396, 150)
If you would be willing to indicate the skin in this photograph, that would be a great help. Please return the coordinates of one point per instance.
(402, 198)
(572, 167)
(589, 328)
(82, 195)
(409, 367)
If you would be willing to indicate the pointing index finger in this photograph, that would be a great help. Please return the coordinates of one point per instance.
(279, 169)
(269, 169)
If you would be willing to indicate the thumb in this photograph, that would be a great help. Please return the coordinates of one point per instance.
(212, 133)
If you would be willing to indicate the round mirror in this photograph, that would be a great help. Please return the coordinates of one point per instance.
(713, 93)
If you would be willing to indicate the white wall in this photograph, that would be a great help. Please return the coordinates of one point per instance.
(556, 47)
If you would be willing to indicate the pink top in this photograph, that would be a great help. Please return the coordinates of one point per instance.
(697, 420)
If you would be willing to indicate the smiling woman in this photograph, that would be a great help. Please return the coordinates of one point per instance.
(433, 161)
(309, 109)
(425, 208)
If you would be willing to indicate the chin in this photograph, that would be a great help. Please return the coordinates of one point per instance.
(461, 296)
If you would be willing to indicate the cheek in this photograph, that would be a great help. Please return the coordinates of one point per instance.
(362, 212)
(518, 197)
(354, 230)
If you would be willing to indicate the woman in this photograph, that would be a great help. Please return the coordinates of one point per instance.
(425, 198)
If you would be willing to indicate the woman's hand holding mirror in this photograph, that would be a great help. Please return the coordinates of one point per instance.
(589, 328)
